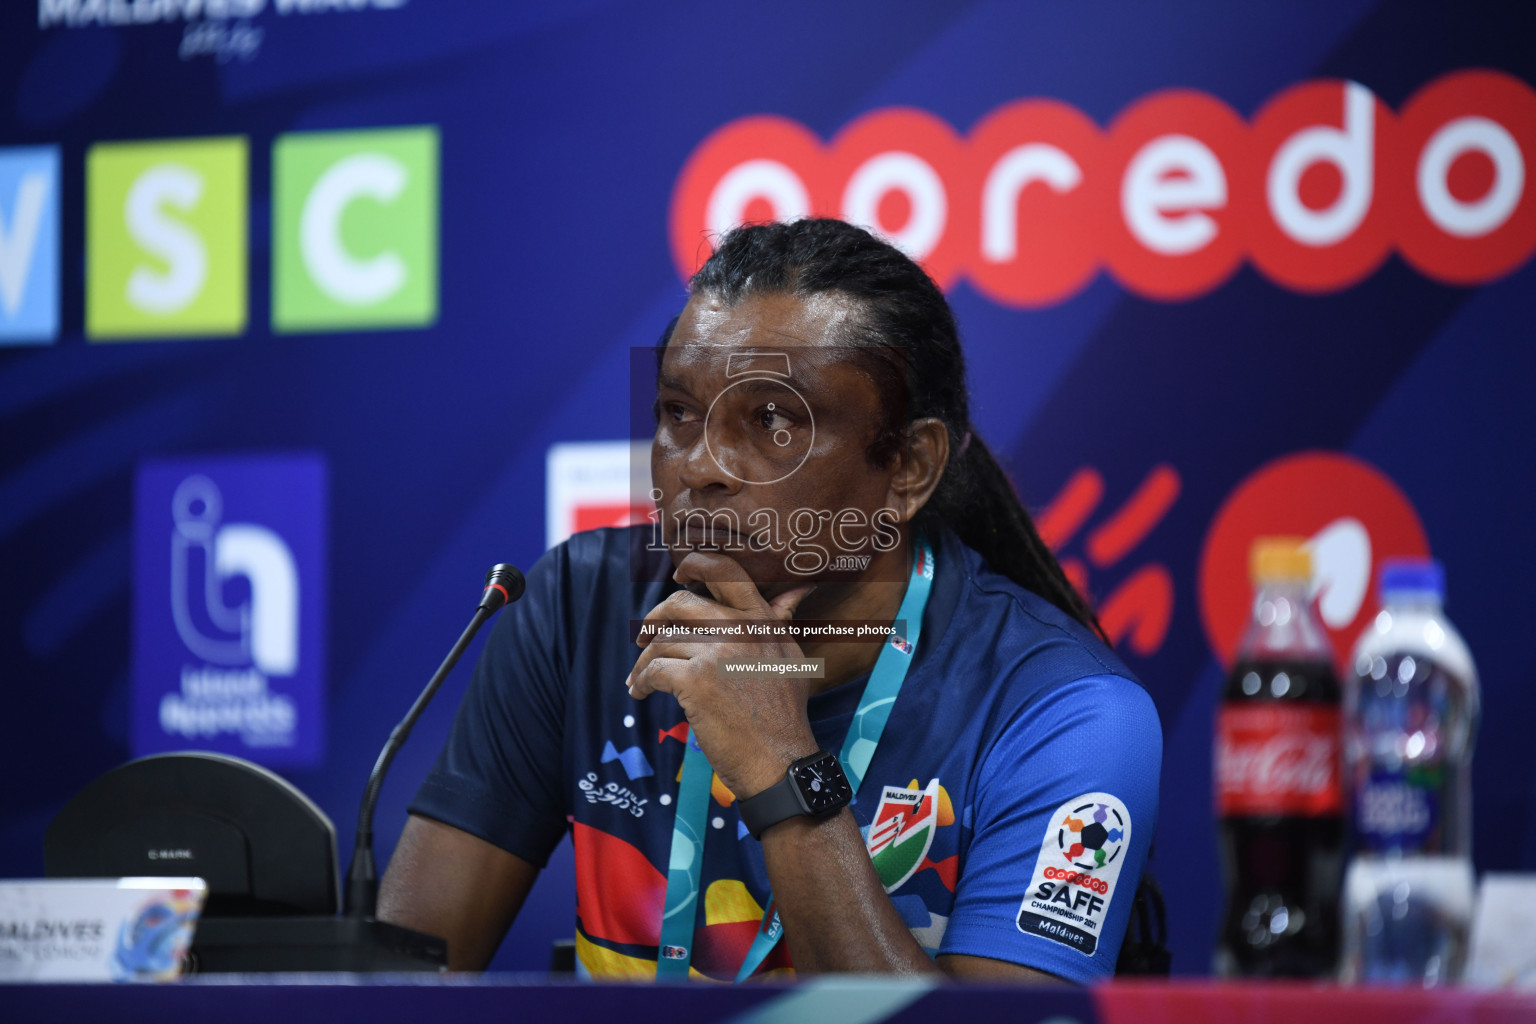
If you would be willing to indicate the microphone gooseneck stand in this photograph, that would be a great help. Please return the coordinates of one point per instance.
(503, 585)
(356, 941)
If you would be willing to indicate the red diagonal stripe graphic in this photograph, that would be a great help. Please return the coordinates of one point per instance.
(1143, 510)
(1071, 507)
(1140, 608)
(1077, 575)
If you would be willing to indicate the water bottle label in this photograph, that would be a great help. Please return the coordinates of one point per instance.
(1396, 810)
(1278, 757)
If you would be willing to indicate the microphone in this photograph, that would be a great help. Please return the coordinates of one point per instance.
(503, 582)
(503, 585)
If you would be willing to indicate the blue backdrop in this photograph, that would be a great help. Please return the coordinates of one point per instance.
(567, 139)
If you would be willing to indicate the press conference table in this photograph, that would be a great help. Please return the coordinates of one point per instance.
(335, 999)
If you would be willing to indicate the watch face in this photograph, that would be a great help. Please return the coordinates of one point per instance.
(822, 784)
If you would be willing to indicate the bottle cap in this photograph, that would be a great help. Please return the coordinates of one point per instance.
(1277, 559)
(1412, 575)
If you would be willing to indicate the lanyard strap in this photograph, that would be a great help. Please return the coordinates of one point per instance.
(688, 826)
(683, 866)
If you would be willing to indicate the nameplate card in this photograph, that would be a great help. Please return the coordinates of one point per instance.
(97, 929)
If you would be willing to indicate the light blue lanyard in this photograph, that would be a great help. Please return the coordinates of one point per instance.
(687, 858)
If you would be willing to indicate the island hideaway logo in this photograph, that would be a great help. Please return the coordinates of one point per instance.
(229, 566)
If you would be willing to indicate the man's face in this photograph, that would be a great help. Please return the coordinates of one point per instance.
(760, 448)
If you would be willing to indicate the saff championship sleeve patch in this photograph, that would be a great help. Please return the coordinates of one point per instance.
(1086, 842)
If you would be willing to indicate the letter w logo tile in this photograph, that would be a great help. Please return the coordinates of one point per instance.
(29, 245)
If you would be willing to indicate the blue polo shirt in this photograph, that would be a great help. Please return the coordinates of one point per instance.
(1008, 809)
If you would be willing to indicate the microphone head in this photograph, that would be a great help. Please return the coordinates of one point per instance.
(503, 585)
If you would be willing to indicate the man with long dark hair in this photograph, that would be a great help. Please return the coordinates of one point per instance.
(871, 726)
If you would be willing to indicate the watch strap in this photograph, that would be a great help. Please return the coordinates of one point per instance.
(778, 802)
(787, 799)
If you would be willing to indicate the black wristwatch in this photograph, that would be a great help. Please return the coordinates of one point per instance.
(813, 785)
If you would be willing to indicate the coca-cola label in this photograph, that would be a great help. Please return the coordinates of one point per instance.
(1279, 757)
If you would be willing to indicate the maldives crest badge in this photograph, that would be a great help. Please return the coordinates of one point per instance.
(902, 832)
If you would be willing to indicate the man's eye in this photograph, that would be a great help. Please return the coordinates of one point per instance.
(770, 418)
(678, 413)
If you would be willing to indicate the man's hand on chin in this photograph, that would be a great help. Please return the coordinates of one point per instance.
(750, 727)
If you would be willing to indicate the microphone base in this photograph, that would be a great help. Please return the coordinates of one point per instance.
(263, 945)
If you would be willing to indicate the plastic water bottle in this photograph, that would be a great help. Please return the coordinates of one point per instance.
(1410, 717)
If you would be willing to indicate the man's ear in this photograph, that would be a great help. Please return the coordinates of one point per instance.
(920, 466)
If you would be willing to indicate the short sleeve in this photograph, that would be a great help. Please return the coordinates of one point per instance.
(498, 776)
(1063, 814)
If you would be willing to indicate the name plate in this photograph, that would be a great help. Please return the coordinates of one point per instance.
(97, 929)
(1503, 953)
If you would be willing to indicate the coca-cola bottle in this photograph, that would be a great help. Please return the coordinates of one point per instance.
(1279, 799)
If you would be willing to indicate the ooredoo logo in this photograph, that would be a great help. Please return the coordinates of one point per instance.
(1316, 191)
(1353, 516)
